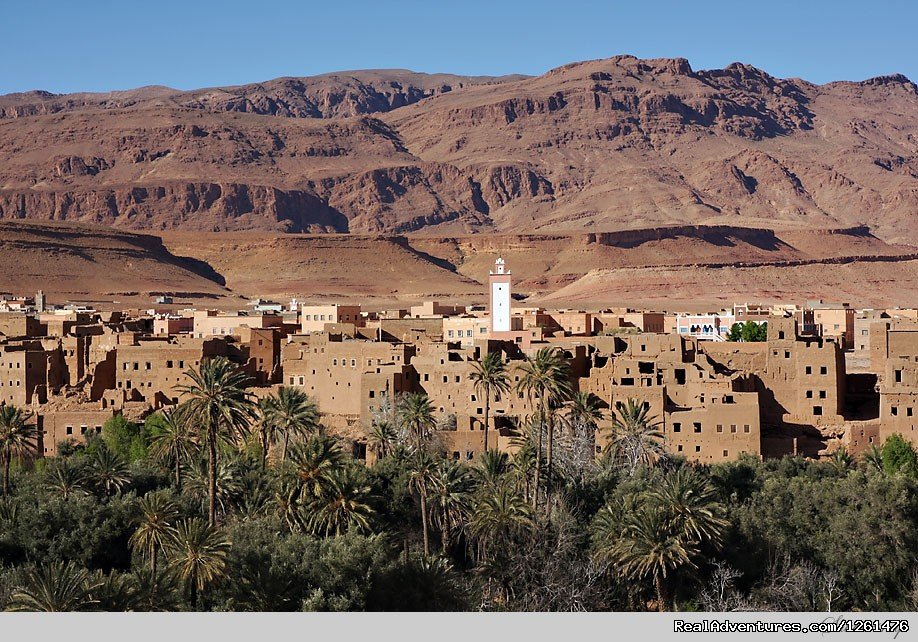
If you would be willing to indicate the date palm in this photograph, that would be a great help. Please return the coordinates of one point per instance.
(498, 515)
(635, 438)
(422, 480)
(491, 378)
(314, 464)
(289, 412)
(156, 527)
(54, 587)
(648, 547)
(383, 438)
(65, 479)
(415, 413)
(450, 500)
(491, 468)
(689, 501)
(108, 473)
(222, 409)
(173, 443)
(227, 484)
(197, 552)
(18, 437)
(545, 378)
(344, 504)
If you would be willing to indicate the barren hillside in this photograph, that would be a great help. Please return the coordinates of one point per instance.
(604, 145)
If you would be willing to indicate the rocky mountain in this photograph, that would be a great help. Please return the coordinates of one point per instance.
(599, 146)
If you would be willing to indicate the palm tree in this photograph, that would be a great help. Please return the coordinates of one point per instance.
(221, 406)
(841, 460)
(158, 515)
(65, 479)
(546, 378)
(198, 551)
(227, 482)
(108, 473)
(344, 504)
(648, 547)
(635, 437)
(450, 501)
(54, 587)
(416, 415)
(491, 468)
(422, 479)
(690, 502)
(17, 437)
(490, 377)
(174, 442)
(314, 463)
(873, 458)
(288, 412)
(498, 515)
(382, 439)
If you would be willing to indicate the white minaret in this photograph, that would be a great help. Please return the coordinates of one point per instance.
(500, 297)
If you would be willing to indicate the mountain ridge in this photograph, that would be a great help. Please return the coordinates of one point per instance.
(599, 145)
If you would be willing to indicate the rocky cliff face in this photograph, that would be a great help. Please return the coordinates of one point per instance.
(601, 145)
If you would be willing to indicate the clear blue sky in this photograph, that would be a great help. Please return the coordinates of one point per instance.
(101, 45)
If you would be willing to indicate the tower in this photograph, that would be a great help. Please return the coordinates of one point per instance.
(499, 281)
(40, 301)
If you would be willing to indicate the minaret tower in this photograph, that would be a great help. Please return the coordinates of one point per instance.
(500, 297)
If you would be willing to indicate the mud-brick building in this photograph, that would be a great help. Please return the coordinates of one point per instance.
(348, 378)
(705, 413)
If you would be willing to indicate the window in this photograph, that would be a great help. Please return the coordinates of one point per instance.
(732, 428)
(822, 394)
(809, 370)
(898, 376)
(697, 426)
(169, 364)
(726, 453)
(745, 427)
(823, 370)
(697, 449)
(720, 427)
(677, 427)
(817, 410)
(69, 430)
(787, 354)
(894, 411)
(809, 394)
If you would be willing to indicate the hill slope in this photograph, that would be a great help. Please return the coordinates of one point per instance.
(602, 145)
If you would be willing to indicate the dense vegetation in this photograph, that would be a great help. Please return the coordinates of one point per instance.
(228, 504)
(748, 331)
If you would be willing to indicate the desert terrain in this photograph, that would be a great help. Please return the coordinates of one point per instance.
(617, 181)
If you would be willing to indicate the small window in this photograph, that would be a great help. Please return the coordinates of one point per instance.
(809, 370)
(726, 453)
(822, 394)
(697, 449)
(720, 427)
(732, 428)
(823, 370)
(677, 427)
(697, 426)
(745, 427)
(69, 430)
(817, 410)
